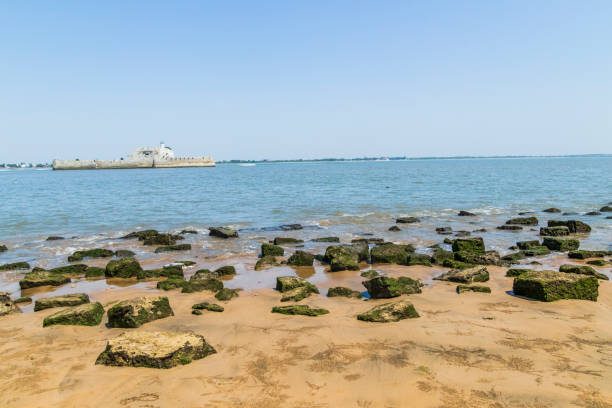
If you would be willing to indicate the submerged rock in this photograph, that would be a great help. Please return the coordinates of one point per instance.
(211, 307)
(138, 311)
(154, 349)
(42, 278)
(463, 213)
(73, 299)
(384, 287)
(87, 314)
(593, 213)
(342, 258)
(123, 268)
(54, 238)
(266, 260)
(560, 231)
(168, 248)
(444, 230)
(299, 310)
(271, 250)
(407, 220)
(575, 227)
(582, 270)
(522, 221)
(390, 312)
(476, 274)
(291, 227)
(341, 291)
(222, 232)
(14, 266)
(559, 244)
(551, 210)
(7, 306)
(287, 241)
(301, 258)
(394, 228)
(90, 253)
(473, 288)
(549, 286)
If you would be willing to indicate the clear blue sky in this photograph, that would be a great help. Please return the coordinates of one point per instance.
(311, 79)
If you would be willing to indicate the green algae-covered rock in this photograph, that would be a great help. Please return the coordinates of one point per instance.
(170, 271)
(487, 258)
(510, 227)
(298, 294)
(341, 291)
(141, 235)
(73, 299)
(583, 254)
(299, 310)
(42, 278)
(287, 241)
(226, 270)
(222, 232)
(522, 221)
(560, 231)
(226, 294)
(551, 210)
(539, 250)
(473, 288)
(394, 228)
(326, 239)
(452, 264)
(271, 250)
(23, 299)
(196, 312)
(418, 259)
(14, 266)
(301, 258)
(390, 312)
(78, 269)
(169, 248)
(162, 239)
(513, 257)
(476, 274)
(582, 270)
(561, 244)
(211, 307)
(606, 208)
(384, 287)
(549, 286)
(512, 272)
(470, 244)
(574, 226)
(363, 250)
(287, 283)
(124, 253)
(407, 220)
(371, 273)
(390, 253)
(154, 349)
(90, 253)
(268, 260)
(123, 268)
(440, 255)
(342, 258)
(172, 283)
(199, 283)
(7, 305)
(527, 244)
(87, 314)
(138, 311)
(597, 262)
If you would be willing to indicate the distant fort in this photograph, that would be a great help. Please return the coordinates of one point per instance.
(145, 157)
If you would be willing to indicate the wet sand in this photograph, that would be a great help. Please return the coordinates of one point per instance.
(468, 350)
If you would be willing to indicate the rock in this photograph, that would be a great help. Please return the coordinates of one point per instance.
(199, 283)
(552, 210)
(90, 253)
(513, 257)
(162, 239)
(226, 294)
(141, 235)
(73, 299)
(440, 255)
(196, 312)
(473, 244)
(452, 264)
(549, 286)
(460, 234)
(168, 248)
(7, 305)
(512, 272)
(523, 221)
(87, 314)
(291, 227)
(172, 283)
(123, 268)
(222, 232)
(188, 231)
(326, 239)
(287, 283)
(226, 270)
(124, 253)
(582, 270)
(391, 253)
(473, 288)
(23, 299)
(186, 263)
(593, 213)
(341, 291)
(362, 249)
(575, 227)
(138, 311)
(444, 230)
(54, 238)
(466, 214)
(266, 260)
(606, 208)
(510, 228)
(394, 228)
(77, 269)
(366, 241)
(301, 258)
(539, 250)
(342, 258)
(298, 294)
(559, 244)
(154, 349)
(299, 310)
(211, 307)
(527, 244)
(170, 271)
(42, 278)
(476, 274)
(3, 248)
(287, 241)
(560, 231)
(418, 259)
(407, 220)
(480, 230)
(369, 274)
(14, 266)
(583, 254)
(597, 262)
(384, 287)
(390, 312)
(271, 250)
(488, 258)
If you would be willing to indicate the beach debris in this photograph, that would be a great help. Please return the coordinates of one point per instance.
(72, 299)
(87, 314)
(384, 287)
(549, 286)
(135, 312)
(390, 312)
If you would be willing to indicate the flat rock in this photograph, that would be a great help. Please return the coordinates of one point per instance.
(469, 275)
(87, 314)
(138, 311)
(42, 278)
(341, 291)
(384, 287)
(407, 220)
(303, 310)
(549, 286)
(222, 232)
(390, 312)
(72, 299)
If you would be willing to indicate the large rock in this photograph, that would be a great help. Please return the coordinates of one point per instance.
(138, 311)
(3, 248)
(575, 227)
(222, 232)
(463, 213)
(172, 283)
(73, 299)
(583, 254)
(341, 291)
(288, 283)
(123, 268)
(606, 208)
(552, 210)
(560, 231)
(522, 221)
(90, 253)
(7, 305)
(42, 278)
(487, 258)
(582, 270)
(391, 253)
(471, 244)
(154, 349)
(342, 258)
(271, 250)
(390, 312)
(287, 241)
(226, 294)
(301, 258)
(15, 266)
(527, 244)
(550, 286)
(559, 244)
(407, 220)
(162, 239)
(303, 310)
(440, 255)
(539, 250)
(384, 287)
(476, 274)
(201, 282)
(87, 314)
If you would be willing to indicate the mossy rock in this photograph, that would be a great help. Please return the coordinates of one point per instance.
(606, 208)
(211, 307)
(470, 244)
(390, 312)
(473, 288)
(287, 283)
(135, 312)
(162, 239)
(87, 314)
(384, 287)
(342, 258)
(326, 239)
(549, 286)
(94, 272)
(267, 260)
(593, 213)
(15, 266)
(574, 226)
(374, 241)
(222, 232)
(487, 258)
(391, 253)
(583, 254)
(582, 270)
(513, 257)
(124, 253)
(510, 227)
(476, 274)
(287, 241)
(302, 310)
(527, 244)
(522, 221)
(552, 210)
(560, 244)
(198, 284)
(341, 291)
(369, 274)
(196, 312)
(440, 255)
(513, 272)
(23, 299)
(78, 269)
(452, 264)
(298, 294)
(226, 270)
(90, 253)
(539, 250)
(597, 262)
(154, 349)
(169, 248)
(418, 259)
(271, 250)
(73, 299)
(363, 249)
(141, 235)
(188, 231)
(7, 305)
(394, 228)
(226, 294)
(170, 271)
(301, 258)
(3, 248)
(123, 268)
(42, 278)
(407, 220)
(172, 283)
(561, 231)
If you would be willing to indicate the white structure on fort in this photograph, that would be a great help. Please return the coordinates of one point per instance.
(145, 157)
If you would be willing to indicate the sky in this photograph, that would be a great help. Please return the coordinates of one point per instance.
(304, 79)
